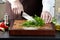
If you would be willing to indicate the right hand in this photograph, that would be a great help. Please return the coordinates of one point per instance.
(17, 7)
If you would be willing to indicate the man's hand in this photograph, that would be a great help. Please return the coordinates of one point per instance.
(17, 7)
(46, 16)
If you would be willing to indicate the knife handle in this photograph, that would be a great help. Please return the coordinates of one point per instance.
(21, 13)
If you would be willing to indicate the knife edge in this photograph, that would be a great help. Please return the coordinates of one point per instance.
(28, 17)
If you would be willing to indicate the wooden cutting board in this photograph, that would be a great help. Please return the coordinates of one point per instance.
(16, 29)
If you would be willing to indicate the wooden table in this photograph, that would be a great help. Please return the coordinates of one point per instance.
(16, 30)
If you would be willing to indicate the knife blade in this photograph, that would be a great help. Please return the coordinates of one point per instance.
(28, 17)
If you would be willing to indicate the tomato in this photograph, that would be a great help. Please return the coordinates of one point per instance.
(3, 25)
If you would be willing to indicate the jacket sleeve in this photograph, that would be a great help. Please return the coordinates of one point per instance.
(12, 1)
(48, 5)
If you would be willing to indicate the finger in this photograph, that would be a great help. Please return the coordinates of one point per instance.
(46, 18)
(42, 16)
(19, 11)
(50, 19)
(16, 11)
(13, 10)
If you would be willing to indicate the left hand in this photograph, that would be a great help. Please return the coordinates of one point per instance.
(46, 16)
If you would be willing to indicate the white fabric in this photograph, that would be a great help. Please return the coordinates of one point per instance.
(11, 1)
(48, 5)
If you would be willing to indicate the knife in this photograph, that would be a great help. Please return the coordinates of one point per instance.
(28, 17)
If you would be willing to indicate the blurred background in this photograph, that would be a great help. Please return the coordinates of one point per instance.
(57, 6)
(57, 10)
(2, 8)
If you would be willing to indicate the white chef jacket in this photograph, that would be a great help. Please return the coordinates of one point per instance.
(48, 5)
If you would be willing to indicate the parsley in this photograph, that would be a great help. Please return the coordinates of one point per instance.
(40, 22)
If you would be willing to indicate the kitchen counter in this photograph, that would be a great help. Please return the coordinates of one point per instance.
(6, 35)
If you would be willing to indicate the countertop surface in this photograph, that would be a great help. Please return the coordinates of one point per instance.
(6, 35)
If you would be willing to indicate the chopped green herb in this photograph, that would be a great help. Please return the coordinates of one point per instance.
(54, 20)
(40, 22)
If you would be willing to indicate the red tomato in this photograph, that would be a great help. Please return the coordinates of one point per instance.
(3, 25)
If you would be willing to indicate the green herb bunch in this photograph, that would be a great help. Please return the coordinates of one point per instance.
(39, 22)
